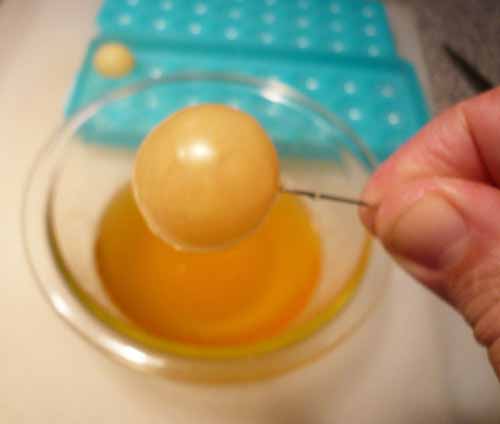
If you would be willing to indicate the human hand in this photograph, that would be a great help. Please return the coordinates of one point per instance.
(437, 211)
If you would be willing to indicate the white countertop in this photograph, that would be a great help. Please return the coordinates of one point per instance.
(414, 362)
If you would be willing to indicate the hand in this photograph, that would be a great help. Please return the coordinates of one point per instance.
(437, 210)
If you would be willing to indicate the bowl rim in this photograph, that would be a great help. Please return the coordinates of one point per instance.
(108, 339)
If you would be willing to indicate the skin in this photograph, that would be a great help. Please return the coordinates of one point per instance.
(437, 211)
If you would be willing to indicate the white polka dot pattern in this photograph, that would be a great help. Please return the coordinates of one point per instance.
(346, 27)
(325, 48)
(382, 103)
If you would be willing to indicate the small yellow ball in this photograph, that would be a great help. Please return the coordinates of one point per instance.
(205, 177)
(113, 60)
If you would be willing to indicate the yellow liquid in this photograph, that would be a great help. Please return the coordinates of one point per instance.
(243, 294)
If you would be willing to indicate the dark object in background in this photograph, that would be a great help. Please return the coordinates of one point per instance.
(475, 79)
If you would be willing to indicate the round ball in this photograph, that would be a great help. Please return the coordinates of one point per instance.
(113, 60)
(205, 177)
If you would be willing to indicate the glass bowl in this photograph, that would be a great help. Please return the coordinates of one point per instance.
(89, 158)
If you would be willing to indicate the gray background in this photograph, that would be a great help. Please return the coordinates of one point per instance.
(472, 27)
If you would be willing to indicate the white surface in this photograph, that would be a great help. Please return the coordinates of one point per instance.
(414, 362)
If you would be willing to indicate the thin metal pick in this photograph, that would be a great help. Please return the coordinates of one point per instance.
(326, 196)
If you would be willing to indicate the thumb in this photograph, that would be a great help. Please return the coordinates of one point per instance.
(446, 233)
(437, 212)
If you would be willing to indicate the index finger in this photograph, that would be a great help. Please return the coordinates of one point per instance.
(463, 142)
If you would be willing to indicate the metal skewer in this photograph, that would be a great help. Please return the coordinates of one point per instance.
(325, 196)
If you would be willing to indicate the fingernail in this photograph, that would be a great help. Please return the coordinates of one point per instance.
(367, 213)
(431, 233)
(367, 216)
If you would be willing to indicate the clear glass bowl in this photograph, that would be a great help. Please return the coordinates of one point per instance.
(89, 158)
